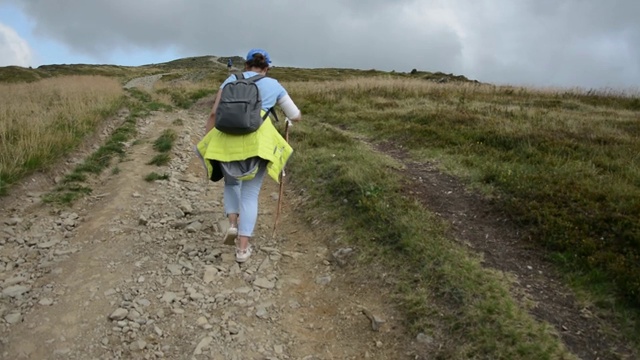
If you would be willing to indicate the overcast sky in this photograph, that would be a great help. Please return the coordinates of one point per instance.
(585, 43)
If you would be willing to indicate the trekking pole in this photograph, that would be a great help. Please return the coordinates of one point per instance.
(288, 124)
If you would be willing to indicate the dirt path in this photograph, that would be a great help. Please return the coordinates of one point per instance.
(137, 270)
(145, 82)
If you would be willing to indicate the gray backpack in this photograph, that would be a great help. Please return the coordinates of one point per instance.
(240, 104)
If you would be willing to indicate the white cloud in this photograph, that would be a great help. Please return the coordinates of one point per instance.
(14, 50)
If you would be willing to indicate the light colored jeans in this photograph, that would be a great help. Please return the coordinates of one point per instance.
(241, 197)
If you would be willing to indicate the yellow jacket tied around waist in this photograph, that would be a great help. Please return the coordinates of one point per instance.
(266, 143)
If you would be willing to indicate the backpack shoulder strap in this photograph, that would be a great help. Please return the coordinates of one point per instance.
(255, 78)
(271, 111)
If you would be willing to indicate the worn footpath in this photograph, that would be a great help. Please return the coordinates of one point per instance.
(137, 270)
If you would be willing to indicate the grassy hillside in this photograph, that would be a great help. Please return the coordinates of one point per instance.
(564, 163)
(43, 121)
(16, 74)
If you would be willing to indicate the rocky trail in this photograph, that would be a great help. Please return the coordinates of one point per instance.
(137, 270)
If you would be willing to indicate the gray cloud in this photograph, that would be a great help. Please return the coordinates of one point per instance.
(584, 43)
(588, 43)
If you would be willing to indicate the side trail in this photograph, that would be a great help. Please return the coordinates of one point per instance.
(138, 270)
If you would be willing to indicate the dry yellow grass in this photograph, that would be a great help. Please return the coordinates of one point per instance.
(41, 121)
(407, 87)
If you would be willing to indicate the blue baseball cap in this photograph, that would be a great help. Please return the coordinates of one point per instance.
(258, 51)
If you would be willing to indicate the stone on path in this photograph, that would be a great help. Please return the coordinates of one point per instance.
(138, 345)
(278, 349)
(185, 207)
(264, 265)
(262, 313)
(119, 314)
(45, 302)
(323, 280)
(15, 291)
(175, 269)
(242, 290)
(194, 227)
(424, 339)
(186, 264)
(203, 345)
(13, 318)
(264, 283)
(223, 226)
(48, 244)
(14, 281)
(13, 221)
(210, 274)
(169, 297)
(375, 320)
(202, 321)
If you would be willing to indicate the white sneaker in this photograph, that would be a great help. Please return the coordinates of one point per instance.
(231, 235)
(244, 255)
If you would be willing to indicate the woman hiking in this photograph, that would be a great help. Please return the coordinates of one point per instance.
(243, 160)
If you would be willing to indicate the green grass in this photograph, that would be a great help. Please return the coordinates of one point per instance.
(153, 176)
(66, 194)
(185, 98)
(564, 164)
(141, 96)
(443, 289)
(332, 74)
(165, 142)
(72, 186)
(75, 176)
(158, 106)
(160, 160)
(17, 74)
(4, 187)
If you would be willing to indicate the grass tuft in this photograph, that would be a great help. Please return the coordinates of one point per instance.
(160, 160)
(75, 176)
(66, 194)
(153, 176)
(164, 143)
